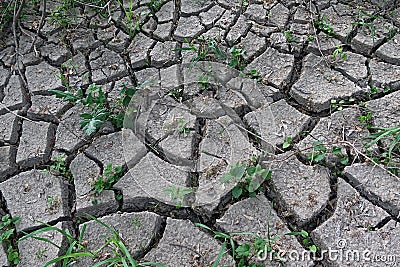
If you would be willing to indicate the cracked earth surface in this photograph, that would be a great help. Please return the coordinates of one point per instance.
(232, 121)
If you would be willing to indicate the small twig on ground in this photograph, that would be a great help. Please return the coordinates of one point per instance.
(16, 114)
(41, 23)
(315, 34)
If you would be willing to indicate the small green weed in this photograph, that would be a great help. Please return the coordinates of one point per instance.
(176, 93)
(339, 52)
(108, 179)
(204, 82)
(7, 234)
(101, 109)
(339, 105)
(324, 26)
(248, 178)
(320, 152)
(211, 50)
(236, 60)
(362, 21)
(366, 119)
(177, 194)
(287, 143)
(288, 36)
(64, 14)
(254, 74)
(59, 167)
(182, 129)
(155, 5)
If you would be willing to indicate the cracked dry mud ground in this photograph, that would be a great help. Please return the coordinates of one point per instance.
(351, 208)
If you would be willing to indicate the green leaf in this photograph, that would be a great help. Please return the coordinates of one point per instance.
(7, 234)
(238, 171)
(313, 248)
(237, 192)
(243, 251)
(253, 185)
(319, 157)
(91, 126)
(221, 253)
(344, 160)
(266, 174)
(337, 151)
(251, 170)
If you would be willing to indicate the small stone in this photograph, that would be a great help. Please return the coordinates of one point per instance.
(150, 178)
(256, 13)
(384, 75)
(149, 76)
(83, 40)
(150, 26)
(389, 51)
(212, 15)
(166, 12)
(316, 75)
(273, 67)
(163, 54)
(57, 54)
(354, 66)
(35, 143)
(4, 76)
(257, 94)
(377, 183)
(107, 149)
(302, 190)
(163, 31)
(350, 229)
(35, 197)
(7, 160)
(42, 77)
(183, 238)
(106, 65)
(226, 20)
(8, 128)
(138, 50)
(194, 7)
(276, 122)
(46, 107)
(253, 45)
(278, 16)
(237, 31)
(69, 135)
(78, 73)
(13, 93)
(230, 4)
(188, 27)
